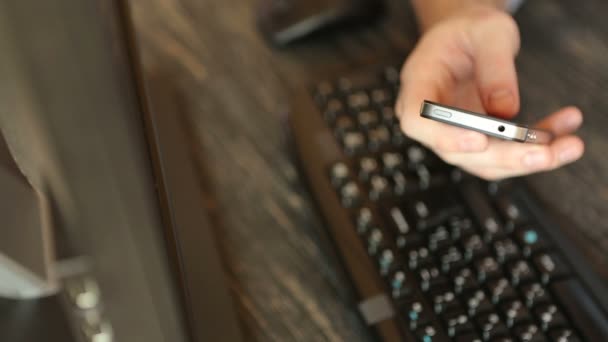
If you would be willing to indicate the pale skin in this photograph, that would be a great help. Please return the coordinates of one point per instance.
(465, 59)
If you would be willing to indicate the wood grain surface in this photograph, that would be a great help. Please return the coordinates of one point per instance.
(235, 87)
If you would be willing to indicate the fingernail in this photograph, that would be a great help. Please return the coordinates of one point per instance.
(572, 122)
(535, 159)
(501, 99)
(569, 155)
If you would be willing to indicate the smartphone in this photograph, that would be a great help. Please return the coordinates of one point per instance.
(484, 123)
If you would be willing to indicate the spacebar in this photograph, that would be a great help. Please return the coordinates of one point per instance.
(586, 315)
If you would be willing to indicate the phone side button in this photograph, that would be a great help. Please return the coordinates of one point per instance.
(442, 113)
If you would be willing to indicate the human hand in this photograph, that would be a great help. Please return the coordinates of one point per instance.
(467, 61)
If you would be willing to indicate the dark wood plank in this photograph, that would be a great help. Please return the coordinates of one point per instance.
(236, 88)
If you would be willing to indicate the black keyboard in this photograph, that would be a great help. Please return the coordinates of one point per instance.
(434, 253)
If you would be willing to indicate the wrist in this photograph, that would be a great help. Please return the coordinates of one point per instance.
(430, 13)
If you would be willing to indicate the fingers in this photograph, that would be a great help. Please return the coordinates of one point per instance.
(524, 158)
(562, 122)
(495, 43)
(436, 135)
(419, 84)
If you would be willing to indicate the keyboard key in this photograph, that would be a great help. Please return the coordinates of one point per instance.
(460, 227)
(368, 166)
(386, 261)
(350, 194)
(501, 290)
(506, 250)
(353, 142)
(402, 184)
(515, 312)
(334, 108)
(401, 285)
(520, 272)
(529, 333)
(391, 75)
(364, 220)
(375, 241)
(439, 238)
(388, 115)
(582, 309)
(530, 240)
(344, 124)
(391, 162)
(468, 337)
(358, 100)
(339, 174)
(368, 119)
(381, 96)
(445, 301)
(431, 333)
(551, 267)
(487, 268)
(487, 218)
(398, 138)
(433, 208)
(379, 187)
(323, 91)
(510, 211)
(430, 278)
(549, 317)
(417, 313)
(464, 281)
(378, 137)
(409, 242)
(474, 247)
(419, 257)
(534, 294)
(398, 220)
(564, 335)
(451, 259)
(491, 326)
(477, 303)
(457, 324)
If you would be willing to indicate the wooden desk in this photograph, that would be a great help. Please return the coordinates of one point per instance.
(236, 90)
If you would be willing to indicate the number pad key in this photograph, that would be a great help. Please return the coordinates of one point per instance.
(451, 259)
(515, 313)
(445, 301)
(477, 302)
(534, 294)
(378, 137)
(464, 280)
(530, 240)
(439, 238)
(549, 317)
(474, 247)
(564, 335)
(506, 250)
(501, 290)
(417, 314)
(419, 257)
(550, 266)
(491, 326)
(401, 285)
(457, 323)
(520, 272)
(431, 277)
(431, 333)
(487, 268)
(529, 333)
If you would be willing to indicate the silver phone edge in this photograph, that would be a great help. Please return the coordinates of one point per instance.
(518, 133)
